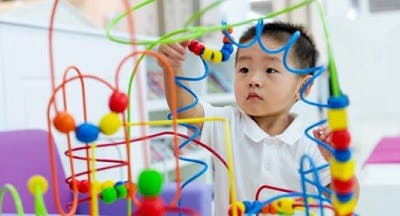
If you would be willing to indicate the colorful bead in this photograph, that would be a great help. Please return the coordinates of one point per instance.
(96, 186)
(343, 186)
(109, 195)
(342, 156)
(64, 122)
(37, 183)
(83, 186)
(87, 133)
(341, 139)
(110, 123)
(344, 208)
(284, 206)
(338, 102)
(239, 207)
(118, 101)
(343, 171)
(107, 184)
(344, 197)
(122, 191)
(150, 183)
(73, 183)
(337, 119)
(153, 206)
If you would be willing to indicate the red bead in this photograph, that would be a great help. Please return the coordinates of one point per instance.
(71, 185)
(64, 122)
(192, 45)
(151, 206)
(83, 186)
(341, 139)
(118, 101)
(343, 187)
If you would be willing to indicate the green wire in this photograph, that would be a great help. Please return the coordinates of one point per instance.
(15, 196)
(198, 14)
(334, 81)
(192, 32)
(40, 208)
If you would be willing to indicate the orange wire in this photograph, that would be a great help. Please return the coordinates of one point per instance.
(52, 146)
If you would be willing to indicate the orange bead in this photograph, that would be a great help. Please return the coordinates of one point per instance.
(64, 122)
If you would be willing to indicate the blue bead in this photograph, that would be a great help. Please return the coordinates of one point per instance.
(225, 55)
(118, 184)
(247, 205)
(344, 197)
(342, 156)
(228, 47)
(87, 132)
(338, 102)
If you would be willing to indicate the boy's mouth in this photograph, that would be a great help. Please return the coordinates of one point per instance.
(253, 95)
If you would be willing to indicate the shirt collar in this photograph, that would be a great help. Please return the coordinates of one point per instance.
(256, 134)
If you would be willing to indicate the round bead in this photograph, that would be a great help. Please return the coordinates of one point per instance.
(341, 139)
(83, 186)
(87, 133)
(153, 206)
(216, 57)
(343, 187)
(239, 207)
(35, 182)
(118, 102)
(150, 183)
(131, 189)
(342, 156)
(228, 47)
(109, 195)
(64, 122)
(71, 184)
(122, 191)
(225, 55)
(110, 123)
(344, 197)
(207, 54)
(107, 184)
(338, 102)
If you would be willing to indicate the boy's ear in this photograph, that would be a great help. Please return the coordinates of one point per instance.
(302, 83)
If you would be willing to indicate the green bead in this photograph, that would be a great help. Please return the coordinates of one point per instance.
(122, 191)
(109, 195)
(150, 183)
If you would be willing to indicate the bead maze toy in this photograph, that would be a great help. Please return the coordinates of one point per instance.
(143, 194)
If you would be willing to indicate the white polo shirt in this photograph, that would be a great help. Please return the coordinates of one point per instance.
(258, 158)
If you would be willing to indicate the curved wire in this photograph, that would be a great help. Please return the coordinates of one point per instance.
(15, 195)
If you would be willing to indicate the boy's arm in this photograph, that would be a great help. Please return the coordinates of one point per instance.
(175, 55)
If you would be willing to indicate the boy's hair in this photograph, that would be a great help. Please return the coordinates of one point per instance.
(303, 49)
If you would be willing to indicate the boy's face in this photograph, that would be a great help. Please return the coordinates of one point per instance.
(263, 87)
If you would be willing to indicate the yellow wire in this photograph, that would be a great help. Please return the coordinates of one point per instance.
(93, 190)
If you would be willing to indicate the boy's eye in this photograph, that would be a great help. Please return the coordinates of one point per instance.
(244, 70)
(271, 70)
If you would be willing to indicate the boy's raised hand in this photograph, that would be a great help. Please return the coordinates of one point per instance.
(175, 53)
(324, 134)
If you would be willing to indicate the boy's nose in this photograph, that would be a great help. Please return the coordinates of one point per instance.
(255, 80)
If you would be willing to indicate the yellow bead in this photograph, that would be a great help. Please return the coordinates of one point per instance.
(343, 171)
(37, 181)
(207, 54)
(107, 184)
(110, 123)
(344, 208)
(217, 57)
(238, 206)
(337, 119)
(286, 206)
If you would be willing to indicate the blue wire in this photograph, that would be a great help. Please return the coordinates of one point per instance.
(319, 142)
(317, 183)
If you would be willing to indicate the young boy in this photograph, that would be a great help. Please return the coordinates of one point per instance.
(267, 140)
